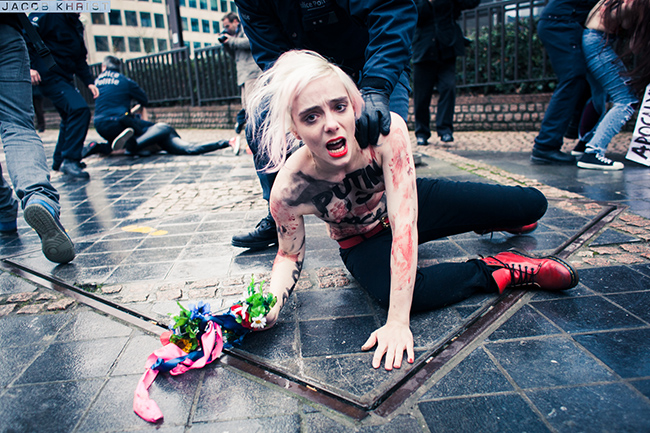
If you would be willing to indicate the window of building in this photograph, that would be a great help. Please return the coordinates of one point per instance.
(205, 26)
(131, 18)
(134, 45)
(148, 45)
(224, 6)
(191, 3)
(145, 19)
(184, 23)
(195, 24)
(157, 1)
(216, 27)
(203, 4)
(207, 44)
(159, 19)
(162, 44)
(196, 45)
(181, 2)
(233, 7)
(214, 5)
(115, 17)
(98, 17)
(119, 46)
(101, 43)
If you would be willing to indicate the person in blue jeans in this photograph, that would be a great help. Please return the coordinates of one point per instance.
(24, 152)
(607, 74)
(560, 30)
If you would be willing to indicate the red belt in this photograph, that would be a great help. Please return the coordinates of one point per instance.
(355, 240)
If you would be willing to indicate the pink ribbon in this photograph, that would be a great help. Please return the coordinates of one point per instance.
(212, 344)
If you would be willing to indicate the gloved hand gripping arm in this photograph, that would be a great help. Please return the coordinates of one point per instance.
(375, 117)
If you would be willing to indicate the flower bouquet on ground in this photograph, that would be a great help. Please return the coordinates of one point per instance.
(196, 338)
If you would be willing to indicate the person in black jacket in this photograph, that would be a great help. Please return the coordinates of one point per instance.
(438, 41)
(370, 40)
(560, 30)
(24, 154)
(63, 35)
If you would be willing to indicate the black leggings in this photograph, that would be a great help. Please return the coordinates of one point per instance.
(445, 209)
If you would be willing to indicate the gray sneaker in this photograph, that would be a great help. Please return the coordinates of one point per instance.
(56, 244)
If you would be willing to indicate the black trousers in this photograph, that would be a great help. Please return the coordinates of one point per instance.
(445, 209)
(426, 76)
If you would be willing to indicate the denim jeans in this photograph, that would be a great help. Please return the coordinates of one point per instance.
(605, 79)
(444, 209)
(23, 147)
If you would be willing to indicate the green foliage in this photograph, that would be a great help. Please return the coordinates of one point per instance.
(503, 61)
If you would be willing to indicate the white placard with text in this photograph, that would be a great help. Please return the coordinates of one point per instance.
(639, 150)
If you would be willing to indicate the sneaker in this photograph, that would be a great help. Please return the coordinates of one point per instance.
(447, 138)
(235, 143)
(56, 244)
(74, 169)
(120, 140)
(239, 127)
(263, 236)
(579, 149)
(596, 161)
(94, 148)
(422, 141)
(8, 226)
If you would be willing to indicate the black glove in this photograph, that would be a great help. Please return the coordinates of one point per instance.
(375, 117)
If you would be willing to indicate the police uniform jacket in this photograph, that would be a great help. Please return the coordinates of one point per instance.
(63, 34)
(369, 39)
(115, 95)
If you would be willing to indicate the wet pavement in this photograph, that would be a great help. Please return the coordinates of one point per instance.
(153, 231)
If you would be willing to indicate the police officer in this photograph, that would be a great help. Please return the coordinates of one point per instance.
(62, 33)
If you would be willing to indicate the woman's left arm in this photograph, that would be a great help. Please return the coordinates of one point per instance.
(395, 336)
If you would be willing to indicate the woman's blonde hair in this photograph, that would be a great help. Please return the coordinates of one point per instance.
(270, 101)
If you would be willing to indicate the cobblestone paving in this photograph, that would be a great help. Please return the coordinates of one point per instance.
(572, 361)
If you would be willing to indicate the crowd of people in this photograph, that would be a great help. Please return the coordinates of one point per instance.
(325, 92)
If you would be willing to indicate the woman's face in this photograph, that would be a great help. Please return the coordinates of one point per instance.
(323, 119)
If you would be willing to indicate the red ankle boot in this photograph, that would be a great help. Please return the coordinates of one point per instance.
(522, 230)
(517, 269)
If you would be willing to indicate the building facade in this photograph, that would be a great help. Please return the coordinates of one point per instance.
(137, 28)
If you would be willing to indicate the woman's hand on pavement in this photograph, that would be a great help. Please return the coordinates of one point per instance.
(392, 340)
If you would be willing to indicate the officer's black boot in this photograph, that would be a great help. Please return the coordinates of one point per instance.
(263, 236)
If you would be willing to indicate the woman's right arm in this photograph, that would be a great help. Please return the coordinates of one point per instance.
(291, 253)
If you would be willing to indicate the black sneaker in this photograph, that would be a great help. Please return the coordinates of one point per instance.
(422, 141)
(56, 244)
(73, 169)
(580, 148)
(264, 235)
(596, 161)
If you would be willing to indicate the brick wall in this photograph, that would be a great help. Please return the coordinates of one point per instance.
(496, 112)
(473, 113)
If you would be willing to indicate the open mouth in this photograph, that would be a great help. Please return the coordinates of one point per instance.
(337, 148)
